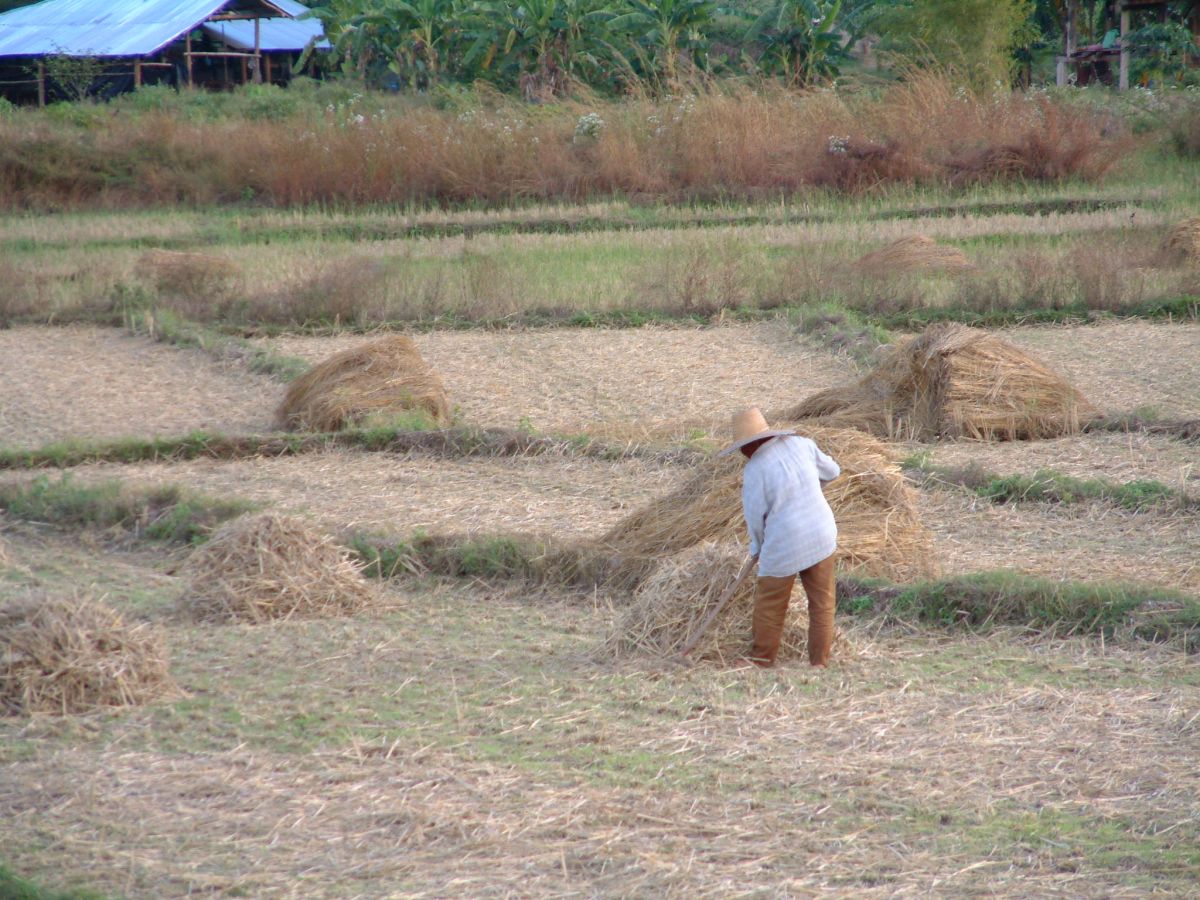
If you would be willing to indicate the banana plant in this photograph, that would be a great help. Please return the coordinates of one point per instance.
(801, 39)
(543, 43)
(668, 28)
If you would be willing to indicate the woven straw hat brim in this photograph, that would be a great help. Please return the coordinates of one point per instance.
(762, 435)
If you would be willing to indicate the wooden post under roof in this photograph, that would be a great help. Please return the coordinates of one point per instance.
(258, 51)
(267, 63)
(187, 52)
(137, 71)
(41, 82)
(1123, 80)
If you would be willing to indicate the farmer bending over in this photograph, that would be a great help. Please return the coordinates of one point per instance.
(791, 532)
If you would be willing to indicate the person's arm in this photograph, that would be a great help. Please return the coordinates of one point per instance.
(827, 469)
(754, 508)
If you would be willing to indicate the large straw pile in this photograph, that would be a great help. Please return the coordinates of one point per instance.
(671, 604)
(375, 380)
(954, 382)
(265, 567)
(1183, 242)
(917, 253)
(879, 528)
(60, 655)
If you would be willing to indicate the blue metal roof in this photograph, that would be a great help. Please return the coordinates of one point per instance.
(109, 27)
(274, 34)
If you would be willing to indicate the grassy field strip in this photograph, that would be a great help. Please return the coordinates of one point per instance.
(384, 240)
(1077, 216)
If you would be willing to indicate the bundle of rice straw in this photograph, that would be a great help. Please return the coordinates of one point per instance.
(917, 253)
(953, 382)
(879, 528)
(187, 274)
(377, 379)
(265, 567)
(1183, 241)
(71, 655)
(675, 600)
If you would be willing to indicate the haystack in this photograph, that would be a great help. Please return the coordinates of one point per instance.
(954, 382)
(1183, 242)
(187, 274)
(71, 655)
(375, 380)
(265, 567)
(879, 528)
(671, 604)
(917, 253)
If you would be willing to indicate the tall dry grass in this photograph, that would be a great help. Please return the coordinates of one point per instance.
(728, 142)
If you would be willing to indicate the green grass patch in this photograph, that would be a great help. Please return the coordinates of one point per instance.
(13, 887)
(1049, 486)
(167, 326)
(166, 513)
(501, 556)
(1056, 608)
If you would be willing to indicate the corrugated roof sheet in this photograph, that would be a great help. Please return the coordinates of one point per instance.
(106, 27)
(275, 34)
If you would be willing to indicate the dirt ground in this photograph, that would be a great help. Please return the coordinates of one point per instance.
(101, 383)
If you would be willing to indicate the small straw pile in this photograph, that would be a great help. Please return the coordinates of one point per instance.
(63, 656)
(267, 567)
(913, 254)
(1183, 242)
(954, 382)
(187, 274)
(879, 528)
(374, 380)
(677, 597)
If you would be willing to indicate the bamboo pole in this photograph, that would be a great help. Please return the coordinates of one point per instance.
(258, 51)
(41, 82)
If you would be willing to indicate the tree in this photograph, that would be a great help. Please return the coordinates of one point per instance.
(976, 37)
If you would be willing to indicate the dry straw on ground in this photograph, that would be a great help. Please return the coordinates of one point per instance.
(954, 382)
(678, 596)
(916, 253)
(266, 567)
(879, 529)
(71, 655)
(1183, 242)
(374, 380)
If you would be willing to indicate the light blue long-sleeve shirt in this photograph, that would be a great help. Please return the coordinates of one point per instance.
(790, 523)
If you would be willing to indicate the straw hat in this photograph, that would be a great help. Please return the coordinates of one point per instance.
(749, 425)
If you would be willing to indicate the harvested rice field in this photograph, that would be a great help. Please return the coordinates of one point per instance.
(86, 383)
(348, 490)
(625, 383)
(1013, 711)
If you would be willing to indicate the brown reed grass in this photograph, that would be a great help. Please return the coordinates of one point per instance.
(381, 378)
(200, 285)
(723, 141)
(66, 655)
(953, 382)
(270, 567)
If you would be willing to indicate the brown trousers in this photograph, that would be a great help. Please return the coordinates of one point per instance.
(770, 611)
